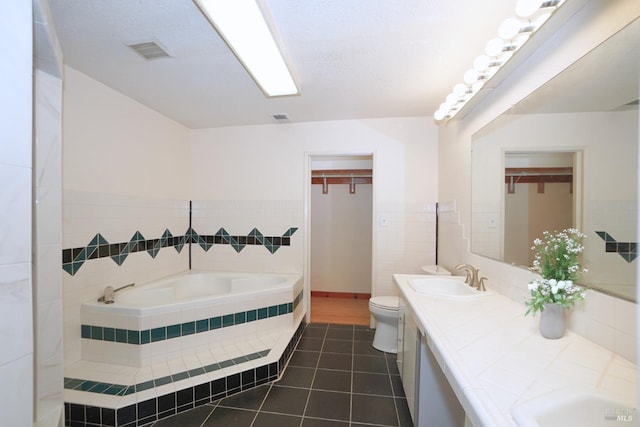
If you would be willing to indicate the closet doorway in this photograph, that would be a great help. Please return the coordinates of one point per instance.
(340, 207)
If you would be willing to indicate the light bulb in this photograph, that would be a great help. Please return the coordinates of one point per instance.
(439, 115)
(509, 28)
(471, 76)
(526, 8)
(481, 63)
(494, 47)
(460, 90)
(452, 99)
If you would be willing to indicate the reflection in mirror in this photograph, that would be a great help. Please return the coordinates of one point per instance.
(585, 119)
(538, 196)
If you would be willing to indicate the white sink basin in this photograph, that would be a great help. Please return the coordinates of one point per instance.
(452, 287)
(575, 408)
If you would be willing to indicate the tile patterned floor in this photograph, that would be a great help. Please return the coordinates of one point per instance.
(334, 378)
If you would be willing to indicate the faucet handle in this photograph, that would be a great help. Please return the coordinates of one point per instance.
(469, 278)
(481, 286)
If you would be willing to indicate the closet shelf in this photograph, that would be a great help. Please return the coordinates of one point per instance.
(341, 176)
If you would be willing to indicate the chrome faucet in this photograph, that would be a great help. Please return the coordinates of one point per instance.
(109, 293)
(472, 277)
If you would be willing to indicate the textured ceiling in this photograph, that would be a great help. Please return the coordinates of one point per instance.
(352, 58)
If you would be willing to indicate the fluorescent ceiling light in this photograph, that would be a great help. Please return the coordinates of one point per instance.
(243, 27)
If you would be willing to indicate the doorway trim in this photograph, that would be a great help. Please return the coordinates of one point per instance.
(309, 157)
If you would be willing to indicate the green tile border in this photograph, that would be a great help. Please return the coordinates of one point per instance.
(627, 250)
(148, 336)
(99, 247)
(124, 390)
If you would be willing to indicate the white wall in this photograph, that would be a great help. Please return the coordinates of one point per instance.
(341, 239)
(254, 165)
(16, 327)
(128, 169)
(605, 320)
(125, 170)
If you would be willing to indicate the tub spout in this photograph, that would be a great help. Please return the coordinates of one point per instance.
(109, 296)
(110, 293)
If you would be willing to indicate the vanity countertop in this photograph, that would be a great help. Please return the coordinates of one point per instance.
(494, 356)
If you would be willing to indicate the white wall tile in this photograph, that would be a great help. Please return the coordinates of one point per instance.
(15, 228)
(16, 332)
(16, 392)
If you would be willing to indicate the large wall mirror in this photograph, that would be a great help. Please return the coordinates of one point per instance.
(567, 155)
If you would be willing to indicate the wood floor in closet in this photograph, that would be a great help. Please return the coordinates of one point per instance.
(343, 311)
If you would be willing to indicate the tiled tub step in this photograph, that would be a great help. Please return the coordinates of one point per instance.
(93, 403)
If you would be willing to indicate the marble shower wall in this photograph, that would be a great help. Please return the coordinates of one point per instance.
(16, 327)
(47, 279)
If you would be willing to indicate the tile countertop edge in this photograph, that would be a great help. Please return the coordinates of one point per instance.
(475, 397)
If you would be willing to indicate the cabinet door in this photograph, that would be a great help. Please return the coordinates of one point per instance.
(438, 404)
(400, 354)
(410, 371)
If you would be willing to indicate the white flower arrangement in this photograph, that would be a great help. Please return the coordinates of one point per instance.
(558, 265)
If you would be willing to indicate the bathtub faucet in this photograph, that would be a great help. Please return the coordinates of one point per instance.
(110, 293)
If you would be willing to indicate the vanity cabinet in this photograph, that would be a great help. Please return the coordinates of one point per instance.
(430, 398)
(408, 343)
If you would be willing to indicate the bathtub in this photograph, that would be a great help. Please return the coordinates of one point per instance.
(155, 321)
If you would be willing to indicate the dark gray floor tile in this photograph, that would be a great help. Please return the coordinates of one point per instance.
(340, 334)
(333, 380)
(265, 419)
(285, 400)
(369, 364)
(228, 417)
(335, 361)
(310, 344)
(337, 326)
(374, 410)
(329, 404)
(314, 332)
(396, 384)
(307, 359)
(194, 417)
(296, 376)
(366, 349)
(367, 383)
(403, 413)
(317, 422)
(250, 399)
(392, 363)
(364, 335)
(337, 346)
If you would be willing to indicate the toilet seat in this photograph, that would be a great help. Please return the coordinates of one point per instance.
(385, 302)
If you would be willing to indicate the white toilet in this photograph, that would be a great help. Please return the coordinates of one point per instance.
(385, 311)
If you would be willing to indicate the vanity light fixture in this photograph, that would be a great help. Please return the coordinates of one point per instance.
(243, 27)
(513, 34)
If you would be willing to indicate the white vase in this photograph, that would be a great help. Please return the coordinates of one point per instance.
(552, 321)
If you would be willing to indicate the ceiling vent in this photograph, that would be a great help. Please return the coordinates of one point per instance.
(149, 50)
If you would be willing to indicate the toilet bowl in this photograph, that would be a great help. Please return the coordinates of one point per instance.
(385, 310)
